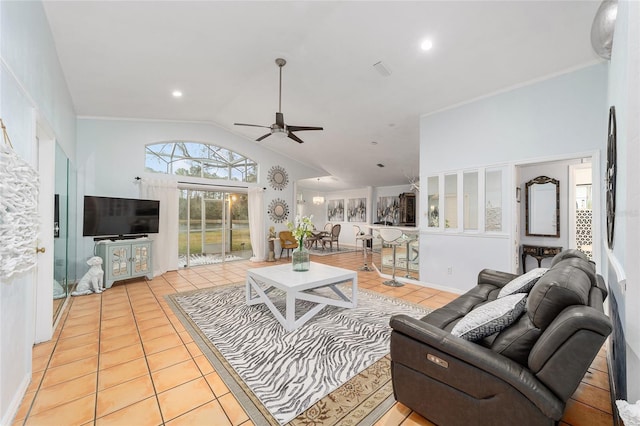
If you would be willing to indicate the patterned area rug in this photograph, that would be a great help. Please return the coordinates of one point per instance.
(205, 259)
(326, 252)
(334, 369)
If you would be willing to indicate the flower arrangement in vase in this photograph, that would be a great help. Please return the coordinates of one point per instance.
(300, 229)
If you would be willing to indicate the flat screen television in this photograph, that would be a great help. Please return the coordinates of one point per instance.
(106, 216)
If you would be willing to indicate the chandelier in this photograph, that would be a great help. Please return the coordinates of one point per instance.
(318, 199)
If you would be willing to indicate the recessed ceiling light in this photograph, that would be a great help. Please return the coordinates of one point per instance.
(176, 94)
(426, 44)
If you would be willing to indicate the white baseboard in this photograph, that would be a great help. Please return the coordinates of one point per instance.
(14, 406)
(420, 283)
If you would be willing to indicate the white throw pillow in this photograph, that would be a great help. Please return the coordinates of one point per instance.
(491, 317)
(523, 283)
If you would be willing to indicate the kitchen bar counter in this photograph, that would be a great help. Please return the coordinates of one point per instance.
(383, 259)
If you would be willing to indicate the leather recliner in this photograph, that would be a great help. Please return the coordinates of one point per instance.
(522, 375)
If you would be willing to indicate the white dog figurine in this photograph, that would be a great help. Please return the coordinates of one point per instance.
(92, 280)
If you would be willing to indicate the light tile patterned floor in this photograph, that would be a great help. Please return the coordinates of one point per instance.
(123, 358)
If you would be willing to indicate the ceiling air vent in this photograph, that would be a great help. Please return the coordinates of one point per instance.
(382, 69)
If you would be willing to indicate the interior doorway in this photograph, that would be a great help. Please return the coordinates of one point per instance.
(579, 202)
(581, 208)
(213, 227)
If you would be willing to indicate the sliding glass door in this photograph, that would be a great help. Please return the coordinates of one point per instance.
(214, 227)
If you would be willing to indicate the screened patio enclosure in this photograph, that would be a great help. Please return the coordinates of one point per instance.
(199, 160)
(214, 227)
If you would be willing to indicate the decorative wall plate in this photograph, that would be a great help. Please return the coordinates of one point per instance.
(278, 210)
(278, 178)
(611, 175)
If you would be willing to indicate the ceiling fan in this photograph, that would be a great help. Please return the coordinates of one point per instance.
(279, 127)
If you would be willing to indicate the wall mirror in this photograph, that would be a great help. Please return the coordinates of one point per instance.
(278, 178)
(64, 230)
(543, 207)
(278, 210)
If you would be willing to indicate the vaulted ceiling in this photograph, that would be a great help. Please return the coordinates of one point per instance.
(124, 58)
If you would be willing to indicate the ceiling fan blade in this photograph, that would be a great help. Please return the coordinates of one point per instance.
(263, 136)
(280, 120)
(250, 125)
(301, 128)
(294, 137)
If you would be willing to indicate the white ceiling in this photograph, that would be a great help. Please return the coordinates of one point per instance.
(123, 59)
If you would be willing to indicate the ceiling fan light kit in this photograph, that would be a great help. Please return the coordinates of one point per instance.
(279, 128)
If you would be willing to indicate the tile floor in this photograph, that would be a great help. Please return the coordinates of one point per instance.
(123, 358)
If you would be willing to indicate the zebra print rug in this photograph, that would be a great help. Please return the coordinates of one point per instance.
(300, 376)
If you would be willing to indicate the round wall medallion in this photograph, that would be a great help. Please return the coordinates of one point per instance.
(611, 176)
(278, 178)
(278, 210)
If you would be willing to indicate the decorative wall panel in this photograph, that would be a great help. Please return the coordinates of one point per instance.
(584, 236)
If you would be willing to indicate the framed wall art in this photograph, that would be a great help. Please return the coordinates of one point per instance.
(388, 209)
(357, 210)
(335, 210)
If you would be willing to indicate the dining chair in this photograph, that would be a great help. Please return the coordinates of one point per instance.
(332, 237)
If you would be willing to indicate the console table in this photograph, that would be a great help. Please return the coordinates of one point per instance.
(124, 259)
(539, 253)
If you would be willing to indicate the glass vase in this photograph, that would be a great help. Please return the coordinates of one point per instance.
(300, 259)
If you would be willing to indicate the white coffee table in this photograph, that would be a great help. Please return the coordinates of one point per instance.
(300, 285)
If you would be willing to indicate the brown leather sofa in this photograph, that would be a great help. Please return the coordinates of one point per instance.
(522, 375)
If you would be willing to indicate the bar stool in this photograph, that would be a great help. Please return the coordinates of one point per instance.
(393, 238)
(412, 253)
(365, 238)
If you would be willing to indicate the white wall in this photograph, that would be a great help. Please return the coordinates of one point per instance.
(30, 59)
(563, 115)
(31, 85)
(624, 94)
(111, 153)
(549, 118)
(454, 260)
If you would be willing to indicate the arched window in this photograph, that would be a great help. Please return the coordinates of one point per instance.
(199, 160)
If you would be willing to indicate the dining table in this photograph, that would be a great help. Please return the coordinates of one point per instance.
(314, 238)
